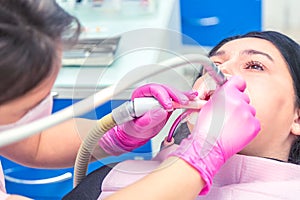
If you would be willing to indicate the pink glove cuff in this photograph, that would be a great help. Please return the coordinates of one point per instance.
(116, 142)
(206, 163)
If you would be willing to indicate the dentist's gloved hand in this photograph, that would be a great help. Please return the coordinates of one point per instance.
(130, 135)
(225, 125)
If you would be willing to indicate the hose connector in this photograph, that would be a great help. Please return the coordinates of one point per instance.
(123, 113)
(133, 109)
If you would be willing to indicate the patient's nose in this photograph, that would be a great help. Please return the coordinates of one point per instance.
(227, 69)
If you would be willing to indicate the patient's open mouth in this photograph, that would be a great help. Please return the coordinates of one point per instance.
(208, 95)
(206, 88)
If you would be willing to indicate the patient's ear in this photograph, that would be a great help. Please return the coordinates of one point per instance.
(296, 124)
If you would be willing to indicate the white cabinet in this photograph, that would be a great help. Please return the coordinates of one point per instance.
(282, 16)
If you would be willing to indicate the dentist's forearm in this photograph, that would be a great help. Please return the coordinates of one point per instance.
(174, 179)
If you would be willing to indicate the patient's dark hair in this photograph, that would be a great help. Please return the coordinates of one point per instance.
(31, 32)
(290, 50)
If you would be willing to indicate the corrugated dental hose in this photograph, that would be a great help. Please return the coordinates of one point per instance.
(86, 149)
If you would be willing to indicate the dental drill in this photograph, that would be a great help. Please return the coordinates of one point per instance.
(215, 73)
(129, 111)
(139, 106)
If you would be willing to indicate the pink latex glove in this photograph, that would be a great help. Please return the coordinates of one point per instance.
(130, 135)
(225, 125)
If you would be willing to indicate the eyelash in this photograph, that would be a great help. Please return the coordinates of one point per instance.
(256, 64)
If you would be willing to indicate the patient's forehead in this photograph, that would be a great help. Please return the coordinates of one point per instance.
(237, 46)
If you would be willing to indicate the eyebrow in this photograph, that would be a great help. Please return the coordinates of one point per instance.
(254, 52)
(247, 52)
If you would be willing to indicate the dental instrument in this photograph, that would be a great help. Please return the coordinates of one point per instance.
(139, 106)
(175, 124)
(216, 73)
(144, 104)
(219, 78)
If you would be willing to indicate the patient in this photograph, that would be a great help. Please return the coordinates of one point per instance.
(245, 160)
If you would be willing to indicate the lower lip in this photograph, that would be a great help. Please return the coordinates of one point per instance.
(196, 104)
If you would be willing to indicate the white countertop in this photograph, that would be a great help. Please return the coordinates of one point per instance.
(143, 38)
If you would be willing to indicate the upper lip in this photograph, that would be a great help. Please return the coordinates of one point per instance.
(209, 94)
(206, 94)
(207, 87)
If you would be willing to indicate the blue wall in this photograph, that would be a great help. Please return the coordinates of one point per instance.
(206, 22)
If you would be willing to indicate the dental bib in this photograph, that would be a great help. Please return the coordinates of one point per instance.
(241, 177)
(130, 171)
(247, 177)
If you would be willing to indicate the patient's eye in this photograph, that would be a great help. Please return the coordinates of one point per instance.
(217, 63)
(255, 65)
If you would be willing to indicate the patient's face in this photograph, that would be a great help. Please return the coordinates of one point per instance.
(270, 88)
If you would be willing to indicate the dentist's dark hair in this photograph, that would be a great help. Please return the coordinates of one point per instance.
(31, 33)
(290, 50)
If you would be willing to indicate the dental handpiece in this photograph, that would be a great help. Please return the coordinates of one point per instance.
(140, 106)
(215, 73)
